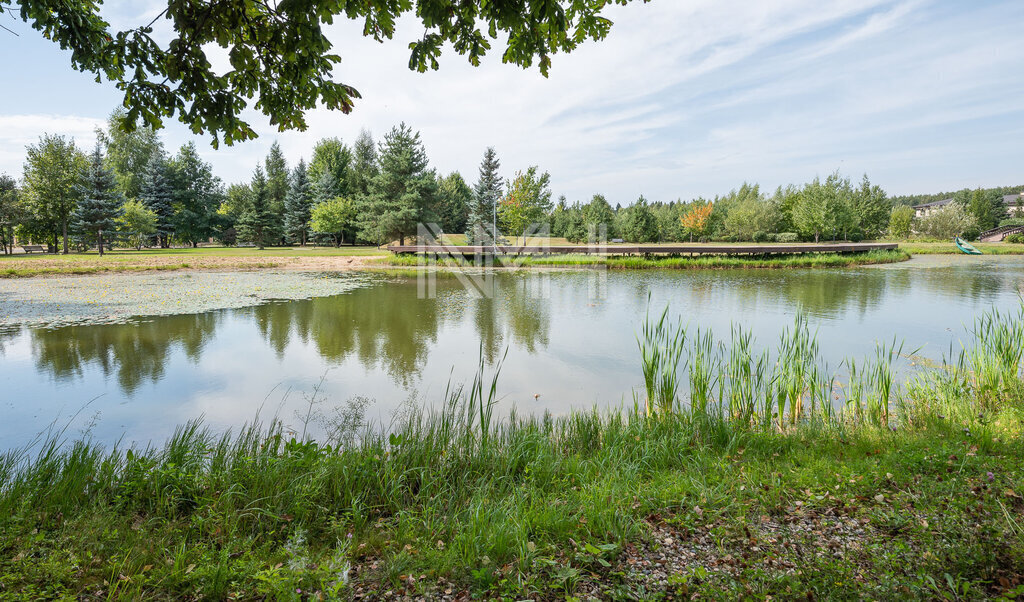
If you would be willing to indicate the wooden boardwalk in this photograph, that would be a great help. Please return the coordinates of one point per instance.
(620, 249)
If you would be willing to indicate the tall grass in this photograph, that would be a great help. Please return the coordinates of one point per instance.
(791, 385)
(661, 345)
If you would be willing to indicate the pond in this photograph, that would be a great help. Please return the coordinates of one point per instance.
(568, 338)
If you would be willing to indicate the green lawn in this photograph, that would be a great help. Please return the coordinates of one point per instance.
(948, 248)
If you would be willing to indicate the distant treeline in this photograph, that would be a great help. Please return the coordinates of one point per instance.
(130, 190)
(919, 199)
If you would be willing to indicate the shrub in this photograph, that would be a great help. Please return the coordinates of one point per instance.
(1017, 238)
(760, 236)
(786, 237)
(1013, 221)
(900, 221)
(952, 220)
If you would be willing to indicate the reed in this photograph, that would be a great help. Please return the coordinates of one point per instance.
(661, 345)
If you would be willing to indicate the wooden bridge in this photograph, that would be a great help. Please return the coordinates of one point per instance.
(998, 234)
(645, 250)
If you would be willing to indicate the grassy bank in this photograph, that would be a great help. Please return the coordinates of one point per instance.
(948, 248)
(773, 477)
(708, 262)
(226, 258)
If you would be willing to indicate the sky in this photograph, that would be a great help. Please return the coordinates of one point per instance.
(684, 99)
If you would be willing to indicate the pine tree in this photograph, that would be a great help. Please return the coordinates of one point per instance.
(101, 201)
(257, 223)
(402, 193)
(297, 206)
(486, 194)
(277, 189)
(641, 225)
(156, 194)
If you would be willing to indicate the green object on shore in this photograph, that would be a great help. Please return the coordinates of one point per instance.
(965, 247)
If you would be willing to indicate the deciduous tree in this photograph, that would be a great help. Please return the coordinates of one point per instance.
(952, 220)
(697, 218)
(128, 152)
(136, 222)
(454, 198)
(872, 207)
(900, 220)
(54, 170)
(12, 212)
(527, 201)
(333, 218)
(364, 164)
(332, 156)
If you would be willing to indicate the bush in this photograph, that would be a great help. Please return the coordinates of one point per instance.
(786, 237)
(760, 236)
(900, 221)
(952, 220)
(1013, 221)
(1017, 238)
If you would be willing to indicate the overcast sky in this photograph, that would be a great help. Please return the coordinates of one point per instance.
(683, 99)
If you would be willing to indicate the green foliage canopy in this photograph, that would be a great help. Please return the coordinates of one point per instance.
(281, 56)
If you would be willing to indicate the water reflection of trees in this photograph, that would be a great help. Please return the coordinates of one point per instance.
(135, 351)
(384, 326)
(390, 326)
(515, 310)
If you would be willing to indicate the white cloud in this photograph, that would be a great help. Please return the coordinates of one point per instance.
(18, 131)
(692, 98)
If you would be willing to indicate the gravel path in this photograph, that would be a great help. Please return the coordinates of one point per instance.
(113, 298)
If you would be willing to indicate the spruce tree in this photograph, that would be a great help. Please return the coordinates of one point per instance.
(196, 195)
(402, 193)
(297, 206)
(257, 222)
(277, 189)
(101, 202)
(486, 194)
(156, 194)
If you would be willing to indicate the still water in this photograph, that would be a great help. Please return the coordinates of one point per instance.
(569, 336)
